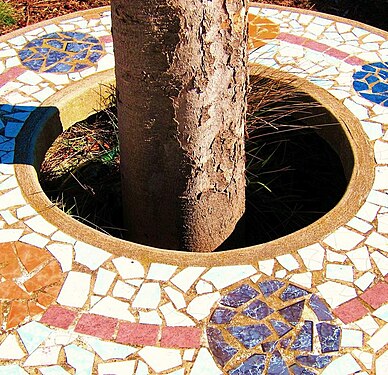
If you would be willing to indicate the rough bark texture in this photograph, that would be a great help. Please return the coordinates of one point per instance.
(181, 77)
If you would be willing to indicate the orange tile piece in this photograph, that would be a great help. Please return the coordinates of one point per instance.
(32, 256)
(9, 290)
(49, 294)
(260, 29)
(17, 313)
(46, 276)
(9, 265)
(34, 309)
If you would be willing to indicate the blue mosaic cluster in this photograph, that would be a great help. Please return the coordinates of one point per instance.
(371, 82)
(61, 52)
(246, 318)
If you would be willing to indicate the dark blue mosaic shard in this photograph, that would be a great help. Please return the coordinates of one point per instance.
(52, 36)
(55, 43)
(254, 365)
(81, 66)
(360, 75)
(277, 366)
(258, 310)
(383, 74)
(239, 296)
(91, 39)
(96, 47)
(369, 68)
(79, 56)
(320, 309)
(299, 370)
(269, 347)
(221, 350)
(54, 56)
(36, 43)
(222, 316)
(379, 99)
(280, 327)
(60, 68)
(94, 57)
(380, 87)
(76, 47)
(269, 287)
(316, 361)
(34, 64)
(292, 313)
(371, 79)
(380, 65)
(304, 340)
(292, 292)
(360, 86)
(329, 337)
(25, 54)
(79, 36)
(250, 335)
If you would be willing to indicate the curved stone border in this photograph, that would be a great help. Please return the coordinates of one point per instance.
(346, 270)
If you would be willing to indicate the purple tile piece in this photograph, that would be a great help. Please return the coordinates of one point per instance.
(222, 315)
(280, 327)
(239, 296)
(253, 365)
(299, 370)
(304, 340)
(258, 310)
(269, 287)
(320, 309)
(316, 361)
(329, 337)
(250, 335)
(285, 342)
(221, 350)
(269, 347)
(277, 366)
(293, 312)
(292, 292)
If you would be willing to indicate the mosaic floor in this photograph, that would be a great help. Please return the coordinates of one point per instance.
(70, 308)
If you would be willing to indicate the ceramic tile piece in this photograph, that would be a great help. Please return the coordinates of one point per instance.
(176, 297)
(12, 370)
(269, 287)
(360, 225)
(376, 296)
(148, 297)
(96, 325)
(344, 365)
(142, 368)
(364, 357)
(292, 292)
(379, 339)
(113, 308)
(351, 311)
(336, 294)
(239, 296)
(368, 211)
(181, 337)
(304, 340)
(31, 256)
(203, 287)
(288, 262)
(35, 240)
(161, 272)
(382, 313)
(343, 239)
(62, 237)
(128, 268)
(58, 317)
(378, 241)
(32, 335)
(40, 225)
(204, 364)
(90, 256)
(381, 364)
(150, 317)
(123, 290)
(8, 217)
(104, 281)
(63, 254)
(138, 334)
(257, 310)
(10, 348)
(44, 356)
(360, 258)
(25, 211)
(373, 130)
(200, 306)
(53, 370)
(339, 272)
(320, 309)
(381, 262)
(378, 198)
(312, 257)
(365, 280)
(381, 152)
(266, 266)
(10, 235)
(161, 359)
(49, 274)
(82, 360)
(174, 317)
(216, 275)
(75, 290)
(117, 368)
(382, 221)
(222, 315)
(10, 182)
(302, 279)
(351, 338)
(293, 313)
(221, 350)
(381, 178)
(368, 325)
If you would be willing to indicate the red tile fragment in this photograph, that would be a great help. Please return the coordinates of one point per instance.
(337, 53)
(181, 337)
(351, 311)
(11, 74)
(58, 317)
(291, 38)
(17, 313)
(106, 39)
(376, 296)
(96, 325)
(316, 46)
(31, 256)
(386, 278)
(353, 60)
(138, 334)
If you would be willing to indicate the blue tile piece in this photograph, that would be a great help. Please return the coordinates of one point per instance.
(24, 54)
(380, 87)
(329, 337)
(299, 370)
(82, 360)
(60, 68)
(55, 43)
(277, 366)
(239, 296)
(270, 286)
(320, 309)
(250, 335)
(258, 310)
(33, 334)
(269, 347)
(221, 350)
(316, 361)
(254, 365)
(379, 99)
(304, 340)
(292, 292)
(94, 57)
(292, 313)
(280, 327)
(222, 315)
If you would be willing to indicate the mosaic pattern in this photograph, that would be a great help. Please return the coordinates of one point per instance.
(61, 52)
(371, 82)
(69, 307)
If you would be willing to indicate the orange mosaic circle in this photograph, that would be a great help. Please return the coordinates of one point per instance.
(30, 280)
(260, 30)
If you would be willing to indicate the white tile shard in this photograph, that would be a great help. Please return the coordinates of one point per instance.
(216, 275)
(200, 306)
(129, 268)
(161, 359)
(75, 289)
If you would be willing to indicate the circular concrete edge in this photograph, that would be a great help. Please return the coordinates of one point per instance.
(62, 109)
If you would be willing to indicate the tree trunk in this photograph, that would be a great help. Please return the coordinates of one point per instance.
(181, 70)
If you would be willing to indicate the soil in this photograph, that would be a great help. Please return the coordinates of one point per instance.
(372, 12)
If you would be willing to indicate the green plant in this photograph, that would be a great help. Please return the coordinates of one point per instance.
(7, 14)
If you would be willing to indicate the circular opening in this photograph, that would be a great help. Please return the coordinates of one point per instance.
(60, 112)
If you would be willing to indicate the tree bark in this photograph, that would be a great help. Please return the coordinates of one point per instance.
(181, 71)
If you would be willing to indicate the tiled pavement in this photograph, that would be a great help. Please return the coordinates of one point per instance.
(68, 307)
